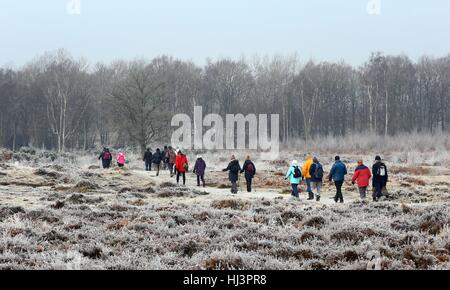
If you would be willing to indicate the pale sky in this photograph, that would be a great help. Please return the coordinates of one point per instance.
(196, 29)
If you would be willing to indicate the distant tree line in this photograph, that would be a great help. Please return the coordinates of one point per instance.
(58, 102)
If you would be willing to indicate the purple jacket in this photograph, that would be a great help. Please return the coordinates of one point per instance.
(200, 167)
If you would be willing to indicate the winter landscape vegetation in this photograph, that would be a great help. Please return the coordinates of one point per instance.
(60, 209)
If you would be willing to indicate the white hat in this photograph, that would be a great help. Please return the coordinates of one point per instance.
(199, 156)
(294, 163)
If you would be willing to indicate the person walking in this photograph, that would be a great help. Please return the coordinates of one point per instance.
(233, 173)
(166, 157)
(172, 156)
(249, 171)
(199, 170)
(120, 158)
(181, 166)
(157, 159)
(148, 158)
(106, 158)
(294, 174)
(380, 178)
(307, 176)
(316, 173)
(362, 176)
(337, 173)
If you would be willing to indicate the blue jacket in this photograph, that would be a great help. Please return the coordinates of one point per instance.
(290, 174)
(338, 171)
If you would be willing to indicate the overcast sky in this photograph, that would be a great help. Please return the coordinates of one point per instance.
(196, 29)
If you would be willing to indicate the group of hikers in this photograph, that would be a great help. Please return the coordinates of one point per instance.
(313, 175)
(312, 172)
(169, 159)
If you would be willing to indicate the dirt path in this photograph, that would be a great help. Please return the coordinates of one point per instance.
(223, 193)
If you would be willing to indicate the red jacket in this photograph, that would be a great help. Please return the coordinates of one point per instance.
(181, 162)
(362, 175)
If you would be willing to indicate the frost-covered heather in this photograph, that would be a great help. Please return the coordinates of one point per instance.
(60, 211)
(263, 234)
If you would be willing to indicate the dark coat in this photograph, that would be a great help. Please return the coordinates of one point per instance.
(200, 167)
(148, 157)
(233, 170)
(376, 177)
(312, 172)
(245, 168)
(158, 157)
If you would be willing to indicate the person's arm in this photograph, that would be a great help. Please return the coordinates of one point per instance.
(101, 156)
(289, 173)
(254, 168)
(345, 170)
(355, 176)
(305, 169)
(333, 169)
(387, 176)
(243, 167)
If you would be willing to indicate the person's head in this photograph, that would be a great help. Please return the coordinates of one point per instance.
(157, 150)
(337, 158)
(165, 147)
(170, 148)
(179, 152)
(233, 157)
(308, 156)
(360, 162)
(315, 160)
(295, 163)
(148, 149)
(248, 157)
(377, 158)
(199, 157)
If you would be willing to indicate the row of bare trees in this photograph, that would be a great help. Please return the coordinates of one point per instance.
(58, 102)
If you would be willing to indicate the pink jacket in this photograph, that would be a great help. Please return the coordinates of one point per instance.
(120, 158)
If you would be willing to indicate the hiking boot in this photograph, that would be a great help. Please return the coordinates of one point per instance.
(341, 201)
(336, 199)
(311, 196)
(318, 198)
(375, 199)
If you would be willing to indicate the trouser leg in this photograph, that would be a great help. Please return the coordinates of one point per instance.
(318, 187)
(339, 195)
(295, 190)
(249, 184)
(362, 192)
(233, 186)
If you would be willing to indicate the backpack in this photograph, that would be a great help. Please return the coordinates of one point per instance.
(318, 173)
(250, 168)
(297, 172)
(382, 170)
(106, 155)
